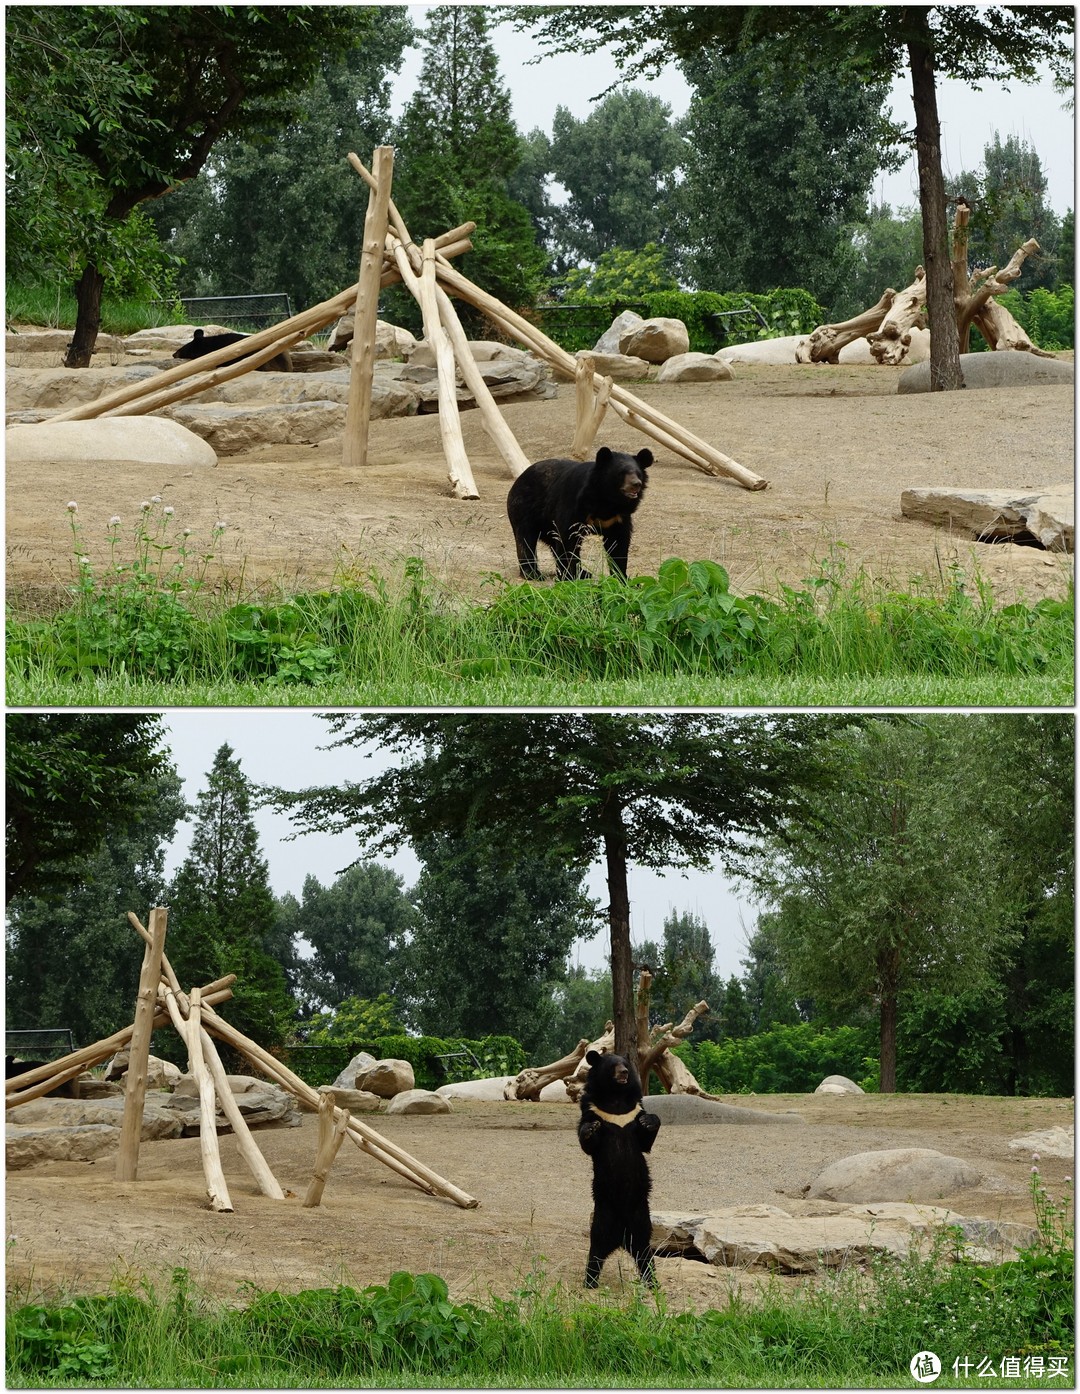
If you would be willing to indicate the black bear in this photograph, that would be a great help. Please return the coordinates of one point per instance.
(616, 1132)
(562, 501)
(203, 343)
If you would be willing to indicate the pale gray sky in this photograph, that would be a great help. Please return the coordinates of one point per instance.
(1034, 113)
(282, 748)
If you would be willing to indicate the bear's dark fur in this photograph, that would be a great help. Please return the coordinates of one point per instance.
(202, 343)
(561, 501)
(620, 1172)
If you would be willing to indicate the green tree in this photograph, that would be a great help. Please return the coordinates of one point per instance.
(733, 1011)
(683, 973)
(894, 882)
(780, 173)
(265, 196)
(887, 248)
(580, 1007)
(661, 791)
(872, 43)
(769, 997)
(491, 937)
(1008, 199)
(71, 781)
(74, 962)
(356, 928)
(622, 275)
(222, 908)
(458, 149)
(619, 170)
(176, 78)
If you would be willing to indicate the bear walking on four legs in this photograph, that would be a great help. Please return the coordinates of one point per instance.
(202, 343)
(561, 502)
(616, 1132)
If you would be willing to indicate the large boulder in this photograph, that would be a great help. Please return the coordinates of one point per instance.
(485, 1090)
(898, 1173)
(358, 1065)
(231, 430)
(1003, 368)
(608, 342)
(354, 1100)
(57, 389)
(160, 1074)
(140, 440)
(482, 350)
(838, 1084)
(418, 1101)
(387, 1078)
(617, 366)
(28, 1146)
(261, 1103)
(655, 340)
(695, 367)
(1042, 517)
(158, 1119)
(56, 341)
(1049, 1142)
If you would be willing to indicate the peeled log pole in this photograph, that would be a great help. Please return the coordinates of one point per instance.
(365, 315)
(590, 406)
(217, 1192)
(331, 1135)
(180, 391)
(704, 456)
(367, 1138)
(127, 1159)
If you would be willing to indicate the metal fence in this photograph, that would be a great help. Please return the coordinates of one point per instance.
(246, 312)
(47, 1043)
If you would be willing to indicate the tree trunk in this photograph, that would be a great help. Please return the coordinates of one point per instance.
(945, 373)
(88, 320)
(889, 977)
(622, 973)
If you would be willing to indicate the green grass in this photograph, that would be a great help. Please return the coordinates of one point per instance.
(158, 627)
(54, 307)
(847, 1330)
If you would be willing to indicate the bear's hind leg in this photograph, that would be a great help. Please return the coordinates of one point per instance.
(639, 1243)
(601, 1243)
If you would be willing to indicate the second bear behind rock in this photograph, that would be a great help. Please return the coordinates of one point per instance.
(561, 502)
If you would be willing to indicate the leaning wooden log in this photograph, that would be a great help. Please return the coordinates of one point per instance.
(823, 344)
(591, 403)
(45, 1078)
(387, 1151)
(529, 1082)
(890, 342)
(664, 1038)
(704, 456)
(307, 322)
(365, 315)
(217, 1192)
(457, 461)
(127, 1158)
(333, 1125)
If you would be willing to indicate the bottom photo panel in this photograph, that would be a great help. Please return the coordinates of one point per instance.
(539, 1050)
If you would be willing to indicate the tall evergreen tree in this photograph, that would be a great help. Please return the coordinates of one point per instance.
(683, 973)
(457, 151)
(222, 909)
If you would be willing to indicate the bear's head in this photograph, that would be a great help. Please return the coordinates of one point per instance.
(624, 474)
(613, 1083)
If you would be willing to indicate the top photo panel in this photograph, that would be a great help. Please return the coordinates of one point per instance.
(490, 356)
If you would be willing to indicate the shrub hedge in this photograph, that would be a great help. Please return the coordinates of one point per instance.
(785, 1060)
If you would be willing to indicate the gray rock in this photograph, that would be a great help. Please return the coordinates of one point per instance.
(230, 430)
(1048, 1142)
(60, 388)
(56, 341)
(418, 1101)
(143, 440)
(901, 1173)
(773, 351)
(655, 340)
(837, 1084)
(355, 1100)
(359, 1064)
(1005, 368)
(689, 1108)
(159, 1121)
(694, 367)
(27, 1146)
(480, 1089)
(608, 342)
(262, 1104)
(1045, 516)
(617, 366)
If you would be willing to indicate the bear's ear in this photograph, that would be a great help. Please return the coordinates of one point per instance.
(593, 1057)
(198, 334)
(603, 456)
(644, 458)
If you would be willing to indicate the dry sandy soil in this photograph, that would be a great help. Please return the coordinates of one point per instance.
(72, 1227)
(836, 444)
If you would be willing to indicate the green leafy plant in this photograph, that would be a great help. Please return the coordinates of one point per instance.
(784, 1060)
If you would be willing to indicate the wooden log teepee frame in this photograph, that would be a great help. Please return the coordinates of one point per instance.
(161, 1001)
(389, 255)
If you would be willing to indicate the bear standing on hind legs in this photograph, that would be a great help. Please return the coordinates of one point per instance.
(561, 502)
(616, 1132)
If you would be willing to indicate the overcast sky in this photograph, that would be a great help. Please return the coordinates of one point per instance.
(282, 748)
(1034, 113)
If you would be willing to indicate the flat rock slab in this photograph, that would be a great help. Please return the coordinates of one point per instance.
(689, 1108)
(139, 440)
(419, 1101)
(27, 1145)
(765, 1236)
(694, 367)
(1037, 516)
(1050, 1142)
(1007, 368)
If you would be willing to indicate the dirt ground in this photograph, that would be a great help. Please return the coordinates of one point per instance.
(837, 446)
(71, 1227)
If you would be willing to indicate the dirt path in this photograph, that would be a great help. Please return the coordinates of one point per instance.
(72, 1227)
(836, 444)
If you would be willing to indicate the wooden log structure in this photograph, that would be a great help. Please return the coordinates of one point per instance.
(974, 293)
(127, 1159)
(365, 315)
(591, 403)
(333, 1125)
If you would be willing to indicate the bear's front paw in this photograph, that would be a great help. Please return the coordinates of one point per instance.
(588, 1130)
(649, 1123)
